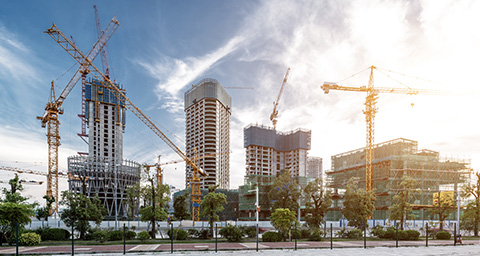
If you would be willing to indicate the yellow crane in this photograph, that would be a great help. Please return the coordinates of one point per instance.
(371, 110)
(80, 57)
(54, 107)
(274, 115)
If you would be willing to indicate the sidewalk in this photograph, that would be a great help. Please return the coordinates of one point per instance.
(185, 247)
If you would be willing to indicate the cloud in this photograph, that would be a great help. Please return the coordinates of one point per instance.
(174, 74)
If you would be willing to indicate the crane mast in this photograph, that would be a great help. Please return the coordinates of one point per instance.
(274, 115)
(371, 110)
(95, 72)
(53, 108)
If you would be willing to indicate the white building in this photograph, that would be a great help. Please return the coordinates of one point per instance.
(207, 110)
(314, 167)
(269, 151)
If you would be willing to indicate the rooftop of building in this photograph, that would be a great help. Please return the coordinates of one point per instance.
(265, 136)
(207, 88)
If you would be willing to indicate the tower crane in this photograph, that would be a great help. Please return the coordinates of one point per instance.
(80, 57)
(54, 107)
(371, 110)
(274, 115)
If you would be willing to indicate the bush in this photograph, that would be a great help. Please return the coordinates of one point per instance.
(316, 235)
(144, 235)
(354, 234)
(100, 236)
(30, 239)
(389, 233)
(130, 235)
(114, 235)
(178, 234)
(54, 234)
(250, 231)
(204, 234)
(413, 234)
(232, 233)
(402, 235)
(443, 235)
(296, 234)
(306, 233)
(342, 233)
(378, 231)
(193, 232)
(271, 237)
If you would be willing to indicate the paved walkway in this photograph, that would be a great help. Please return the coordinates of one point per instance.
(185, 247)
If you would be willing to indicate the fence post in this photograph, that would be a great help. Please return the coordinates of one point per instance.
(16, 238)
(257, 237)
(396, 234)
(73, 242)
(427, 235)
(124, 238)
(365, 235)
(295, 235)
(331, 236)
(171, 237)
(455, 234)
(216, 236)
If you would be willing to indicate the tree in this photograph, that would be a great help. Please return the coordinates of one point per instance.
(14, 209)
(80, 210)
(285, 192)
(44, 212)
(318, 202)
(401, 208)
(180, 210)
(133, 199)
(212, 204)
(283, 220)
(358, 204)
(472, 212)
(445, 204)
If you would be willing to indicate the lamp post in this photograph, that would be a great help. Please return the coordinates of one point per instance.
(257, 212)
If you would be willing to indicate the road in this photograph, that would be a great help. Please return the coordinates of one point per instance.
(436, 247)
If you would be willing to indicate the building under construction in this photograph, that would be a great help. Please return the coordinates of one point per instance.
(102, 171)
(393, 160)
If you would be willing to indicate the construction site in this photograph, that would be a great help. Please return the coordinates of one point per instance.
(395, 159)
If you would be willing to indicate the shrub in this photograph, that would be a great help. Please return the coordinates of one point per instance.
(54, 234)
(100, 236)
(144, 235)
(316, 235)
(413, 234)
(250, 231)
(178, 234)
(354, 234)
(271, 237)
(296, 234)
(443, 235)
(30, 239)
(193, 232)
(389, 233)
(306, 233)
(232, 233)
(130, 235)
(204, 234)
(402, 235)
(342, 233)
(115, 235)
(378, 231)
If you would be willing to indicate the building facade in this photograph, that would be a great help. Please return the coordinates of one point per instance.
(207, 131)
(102, 171)
(269, 151)
(314, 167)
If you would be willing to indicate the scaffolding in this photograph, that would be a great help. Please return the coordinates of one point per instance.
(106, 179)
(395, 159)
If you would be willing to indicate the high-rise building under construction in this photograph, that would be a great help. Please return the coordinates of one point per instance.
(102, 171)
(207, 131)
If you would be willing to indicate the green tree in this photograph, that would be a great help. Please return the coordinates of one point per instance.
(133, 199)
(283, 220)
(44, 212)
(358, 204)
(285, 192)
(180, 208)
(401, 208)
(212, 204)
(156, 199)
(14, 209)
(472, 212)
(80, 210)
(444, 206)
(318, 202)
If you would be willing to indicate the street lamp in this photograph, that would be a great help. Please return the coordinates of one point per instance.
(257, 207)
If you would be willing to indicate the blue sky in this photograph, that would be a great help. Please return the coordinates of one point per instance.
(162, 47)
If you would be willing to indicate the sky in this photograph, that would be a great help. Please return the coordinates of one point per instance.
(161, 48)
